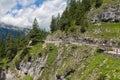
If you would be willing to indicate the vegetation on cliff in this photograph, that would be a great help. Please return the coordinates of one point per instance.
(10, 45)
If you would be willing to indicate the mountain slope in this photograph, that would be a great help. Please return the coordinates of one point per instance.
(92, 55)
(64, 61)
(5, 28)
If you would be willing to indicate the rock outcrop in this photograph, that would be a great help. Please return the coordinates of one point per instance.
(32, 68)
(111, 14)
(62, 77)
(2, 74)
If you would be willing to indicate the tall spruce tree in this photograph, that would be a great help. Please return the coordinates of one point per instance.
(36, 34)
(72, 12)
(11, 48)
(86, 4)
(35, 25)
(53, 24)
(2, 45)
(65, 20)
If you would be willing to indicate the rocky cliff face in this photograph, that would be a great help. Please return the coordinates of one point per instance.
(2, 74)
(31, 67)
(110, 14)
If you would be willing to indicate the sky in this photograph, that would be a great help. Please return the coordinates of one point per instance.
(21, 13)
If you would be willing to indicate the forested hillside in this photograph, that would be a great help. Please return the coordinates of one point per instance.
(74, 14)
(11, 44)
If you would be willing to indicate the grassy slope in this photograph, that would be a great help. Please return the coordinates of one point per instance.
(28, 78)
(104, 31)
(35, 51)
(94, 67)
(110, 1)
(48, 71)
(102, 66)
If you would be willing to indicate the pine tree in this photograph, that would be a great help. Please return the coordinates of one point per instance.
(2, 39)
(86, 4)
(65, 20)
(72, 12)
(84, 24)
(80, 12)
(35, 25)
(11, 48)
(53, 24)
(34, 30)
(24, 41)
(2, 45)
(36, 34)
(17, 40)
(58, 22)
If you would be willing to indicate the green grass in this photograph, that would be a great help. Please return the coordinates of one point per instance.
(111, 67)
(53, 52)
(97, 66)
(105, 65)
(104, 31)
(94, 62)
(110, 1)
(69, 62)
(3, 62)
(28, 78)
(17, 57)
(36, 49)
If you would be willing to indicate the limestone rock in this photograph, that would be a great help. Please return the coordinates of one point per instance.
(111, 14)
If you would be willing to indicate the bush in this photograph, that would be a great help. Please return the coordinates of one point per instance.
(74, 29)
(102, 77)
(28, 78)
(98, 3)
(118, 44)
(82, 29)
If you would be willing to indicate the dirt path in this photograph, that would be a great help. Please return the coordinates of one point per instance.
(80, 44)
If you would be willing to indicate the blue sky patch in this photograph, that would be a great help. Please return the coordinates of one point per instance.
(39, 2)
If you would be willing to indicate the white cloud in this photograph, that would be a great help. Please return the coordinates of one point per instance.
(6, 5)
(25, 16)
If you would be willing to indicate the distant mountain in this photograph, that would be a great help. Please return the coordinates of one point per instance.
(6, 28)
